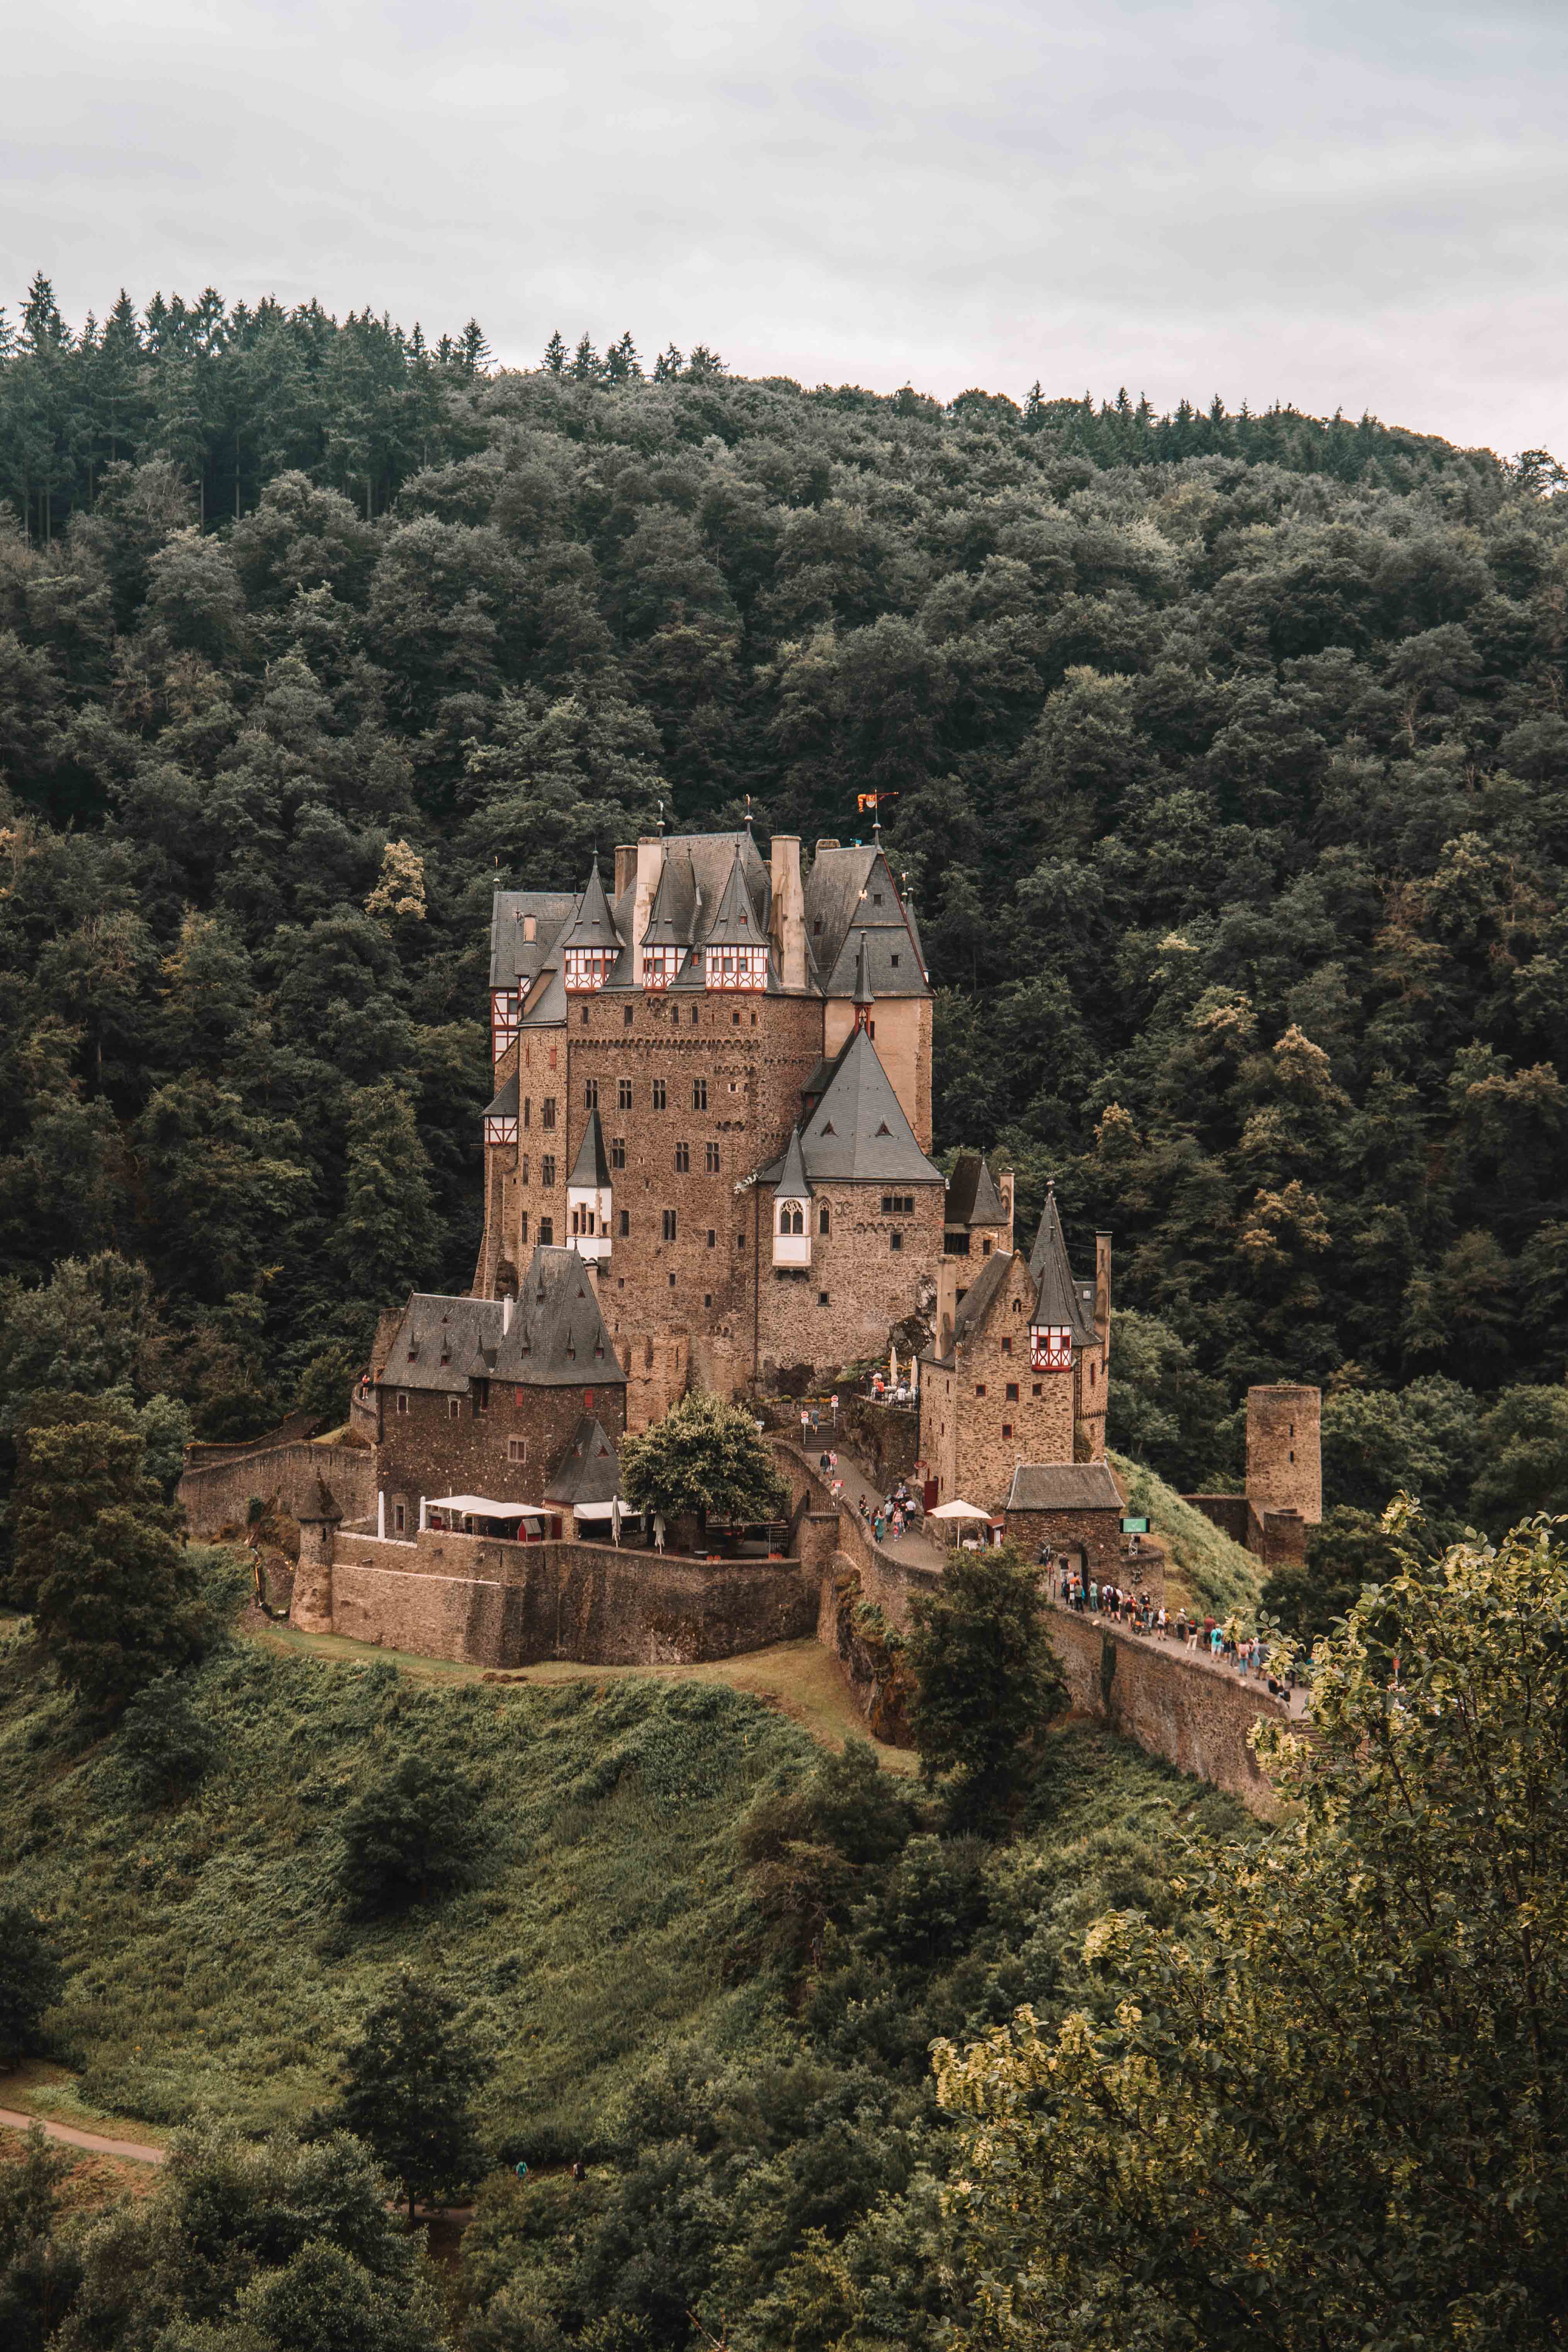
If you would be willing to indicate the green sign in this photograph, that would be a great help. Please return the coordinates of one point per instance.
(1134, 1527)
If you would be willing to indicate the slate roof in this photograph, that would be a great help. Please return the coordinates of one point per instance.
(1063, 1299)
(841, 888)
(857, 1131)
(505, 1103)
(557, 1339)
(735, 924)
(590, 1469)
(971, 1195)
(976, 1304)
(673, 913)
(515, 961)
(591, 926)
(442, 1343)
(793, 1183)
(591, 1167)
(558, 1336)
(1064, 1486)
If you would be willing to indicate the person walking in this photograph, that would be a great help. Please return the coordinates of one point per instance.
(658, 1531)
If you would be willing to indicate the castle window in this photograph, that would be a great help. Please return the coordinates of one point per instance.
(481, 1397)
(822, 1298)
(708, 1298)
(979, 1388)
(824, 1219)
(682, 1158)
(586, 968)
(403, 1400)
(875, 898)
(617, 1152)
(1038, 1388)
(984, 1249)
(522, 1220)
(547, 1171)
(516, 1449)
(816, 928)
(506, 1014)
(584, 1016)
(898, 1205)
(659, 966)
(660, 1096)
(454, 1408)
(712, 1160)
(699, 1093)
(895, 962)
(895, 1241)
(712, 1237)
(623, 1093)
(399, 1518)
(669, 1224)
(740, 1240)
(735, 968)
(528, 1110)
(626, 1222)
(735, 1019)
(1293, 1453)
(588, 1396)
(626, 1013)
(1012, 1391)
(791, 1218)
(590, 1094)
(547, 1112)
(1006, 1429)
(1006, 1347)
(547, 1233)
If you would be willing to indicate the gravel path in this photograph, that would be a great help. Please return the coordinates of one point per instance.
(95, 2141)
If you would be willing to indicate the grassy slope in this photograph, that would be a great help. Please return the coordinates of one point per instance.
(210, 1967)
(1211, 1571)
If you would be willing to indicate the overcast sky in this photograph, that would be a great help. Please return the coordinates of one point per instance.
(1353, 202)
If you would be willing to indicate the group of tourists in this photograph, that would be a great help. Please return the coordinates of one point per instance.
(893, 1516)
(1223, 1644)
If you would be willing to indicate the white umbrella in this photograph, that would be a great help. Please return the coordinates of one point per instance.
(957, 1511)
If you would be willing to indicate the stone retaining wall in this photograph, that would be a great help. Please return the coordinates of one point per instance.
(217, 1495)
(1196, 1717)
(485, 1602)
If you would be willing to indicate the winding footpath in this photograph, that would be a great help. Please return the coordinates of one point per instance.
(93, 2141)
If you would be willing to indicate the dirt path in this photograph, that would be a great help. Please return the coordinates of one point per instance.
(94, 2141)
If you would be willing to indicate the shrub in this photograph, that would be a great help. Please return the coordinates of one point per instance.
(31, 1981)
(164, 1743)
(408, 1838)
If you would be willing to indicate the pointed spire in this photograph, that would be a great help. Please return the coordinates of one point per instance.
(793, 1183)
(1058, 1301)
(591, 1169)
(865, 995)
(593, 927)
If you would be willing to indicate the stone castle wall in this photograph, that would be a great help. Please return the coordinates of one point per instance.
(503, 1605)
(217, 1495)
(1196, 1717)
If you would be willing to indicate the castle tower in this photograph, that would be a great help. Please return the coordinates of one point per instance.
(1284, 1452)
(588, 1198)
(310, 1609)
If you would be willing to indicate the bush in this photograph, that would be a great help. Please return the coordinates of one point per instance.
(164, 1743)
(31, 1981)
(988, 1682)
(408, 1838)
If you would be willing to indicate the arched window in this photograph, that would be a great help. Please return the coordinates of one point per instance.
(824, 1220)
(797, 1225)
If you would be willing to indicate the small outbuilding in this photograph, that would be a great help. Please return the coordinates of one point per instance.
(1071, 1509)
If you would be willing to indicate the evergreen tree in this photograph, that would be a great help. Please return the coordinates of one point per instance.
(622, 362)
(96, 1560)
(388, 1231)
(556, 354)
(668, 365)
(586, 365)
(407, 2080)
(987, 1682)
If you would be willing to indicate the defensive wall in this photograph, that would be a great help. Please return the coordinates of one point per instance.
(486, 1602)
(217, 1492)
(1197, 1715)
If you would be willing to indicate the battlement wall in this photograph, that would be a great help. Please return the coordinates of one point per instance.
(486, 1602)
(1197, 1715)
(216, 1494)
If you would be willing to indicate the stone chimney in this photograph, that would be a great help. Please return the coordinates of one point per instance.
(626, 867)
(825, 841)
(651, 866)
(1102, 1299)
(788, 920)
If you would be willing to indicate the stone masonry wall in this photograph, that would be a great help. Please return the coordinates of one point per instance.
(1194, 1716)
(840, 1309)
(428, 1451)
(503, 1604)
(1098, 1532)
(217, 1495)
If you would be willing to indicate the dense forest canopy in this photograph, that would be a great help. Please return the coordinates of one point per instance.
(1231, 774)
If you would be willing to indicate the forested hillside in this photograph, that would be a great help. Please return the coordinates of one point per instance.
(1232, 784)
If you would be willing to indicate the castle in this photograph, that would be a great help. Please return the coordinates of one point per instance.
(706, 1162)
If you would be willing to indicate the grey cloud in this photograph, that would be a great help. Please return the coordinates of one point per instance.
(1356, 206)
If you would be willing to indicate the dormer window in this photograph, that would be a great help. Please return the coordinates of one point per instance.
(659, 966)
(586, 969)
(736, 968)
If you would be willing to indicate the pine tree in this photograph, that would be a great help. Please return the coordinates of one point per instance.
(473, 350)
(586, 365)
(556, 354)
(623, 364)
(668, 365)
(409, 2077)
(96, 1559)
(388, 1231)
